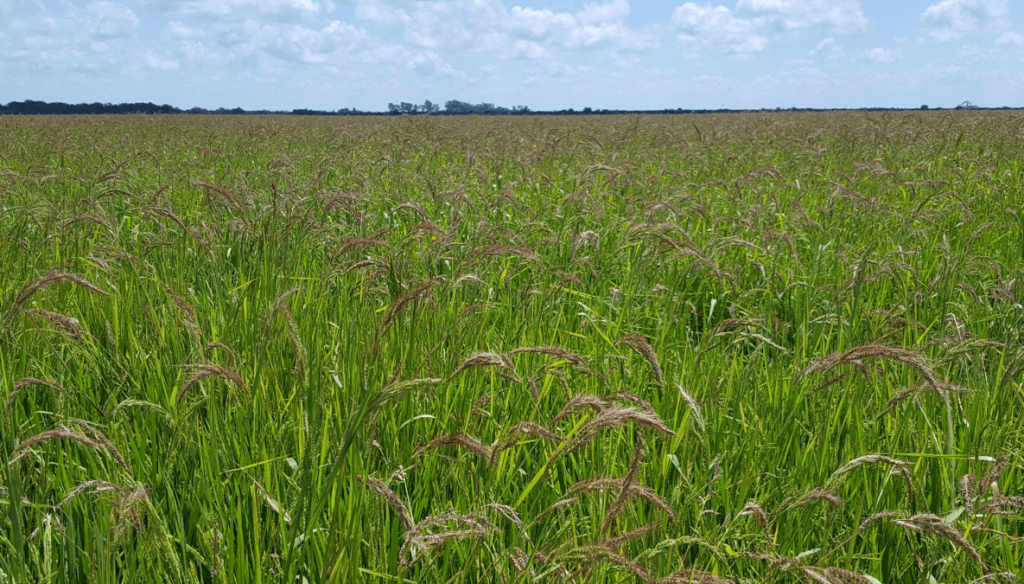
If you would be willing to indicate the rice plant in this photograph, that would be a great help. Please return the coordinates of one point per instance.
(728, 348)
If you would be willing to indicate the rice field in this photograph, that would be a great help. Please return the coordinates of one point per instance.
(770, 347)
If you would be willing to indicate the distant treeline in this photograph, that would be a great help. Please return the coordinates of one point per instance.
(451, 107)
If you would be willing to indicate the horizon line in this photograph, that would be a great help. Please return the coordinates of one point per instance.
(452, 108)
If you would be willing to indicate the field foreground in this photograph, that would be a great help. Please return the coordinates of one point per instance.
(750, 348)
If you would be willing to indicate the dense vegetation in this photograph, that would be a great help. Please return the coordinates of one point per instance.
(452, 107)
(760, 348)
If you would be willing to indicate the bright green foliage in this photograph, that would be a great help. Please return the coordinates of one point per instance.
(257, 349)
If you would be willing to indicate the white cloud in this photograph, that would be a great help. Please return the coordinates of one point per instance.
(432, 25)
(968, 53)
(828, 48)
(594, 13)
(307, 45)
(1011, 39)
(107, 21)
(604, 26)
(744, 31)
(251, 43)
(243, 9)
(447, 26)
(377, 55)
(530, 50)
(96, 37)
(382, 13)
(952, 73)
(704, 27)
(881, 56)
(456, 24)
(840, 16)
(158, 64)
(538, 24)
(429, 64)
(486, 26)
(567, 72)
(952, 19)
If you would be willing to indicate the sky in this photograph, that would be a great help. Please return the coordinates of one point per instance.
(544, 54)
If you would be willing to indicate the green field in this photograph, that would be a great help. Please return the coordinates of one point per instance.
(752, 347)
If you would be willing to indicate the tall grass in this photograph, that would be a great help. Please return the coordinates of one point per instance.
(774, 347)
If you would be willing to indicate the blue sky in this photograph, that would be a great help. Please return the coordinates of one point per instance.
(546, 54)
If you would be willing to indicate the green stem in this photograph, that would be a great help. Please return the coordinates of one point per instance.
(14, 505)
(950, 445)
(314, 504)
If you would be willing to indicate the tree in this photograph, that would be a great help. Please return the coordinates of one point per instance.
(454, 106)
